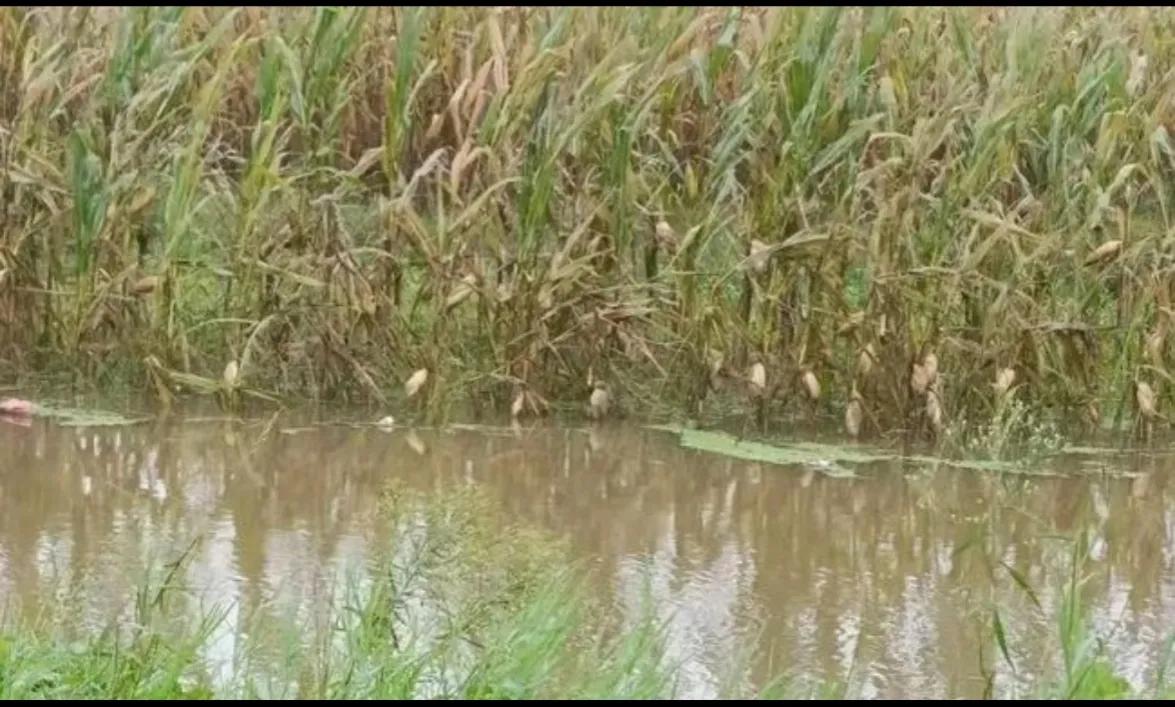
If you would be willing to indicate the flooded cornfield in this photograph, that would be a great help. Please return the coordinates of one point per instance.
(885, 582)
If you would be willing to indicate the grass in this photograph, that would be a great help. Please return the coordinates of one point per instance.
(1084, 670)
(330, 199)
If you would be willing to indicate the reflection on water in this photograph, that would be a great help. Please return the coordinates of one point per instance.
(886, 581)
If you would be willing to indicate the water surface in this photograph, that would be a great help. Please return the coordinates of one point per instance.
(885, 581)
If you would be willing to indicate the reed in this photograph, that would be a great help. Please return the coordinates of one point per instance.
(333, 199)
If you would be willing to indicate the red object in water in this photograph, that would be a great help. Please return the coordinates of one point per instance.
(16, 407)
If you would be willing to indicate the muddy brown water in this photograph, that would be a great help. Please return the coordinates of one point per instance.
(878, 581)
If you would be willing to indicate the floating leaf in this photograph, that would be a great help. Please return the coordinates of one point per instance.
(820, 456)
(80, 417)
(810, 454)
(415, 442)
(15, 406)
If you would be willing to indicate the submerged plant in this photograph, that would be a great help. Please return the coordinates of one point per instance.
(1015, 433)
(1087, 674)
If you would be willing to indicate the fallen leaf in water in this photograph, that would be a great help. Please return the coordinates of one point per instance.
(80, 417)
(16, 407)
(790, 454)
(1140, 486)
(818, 456)
(18, 420)
(415, 442)
(538, 404)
